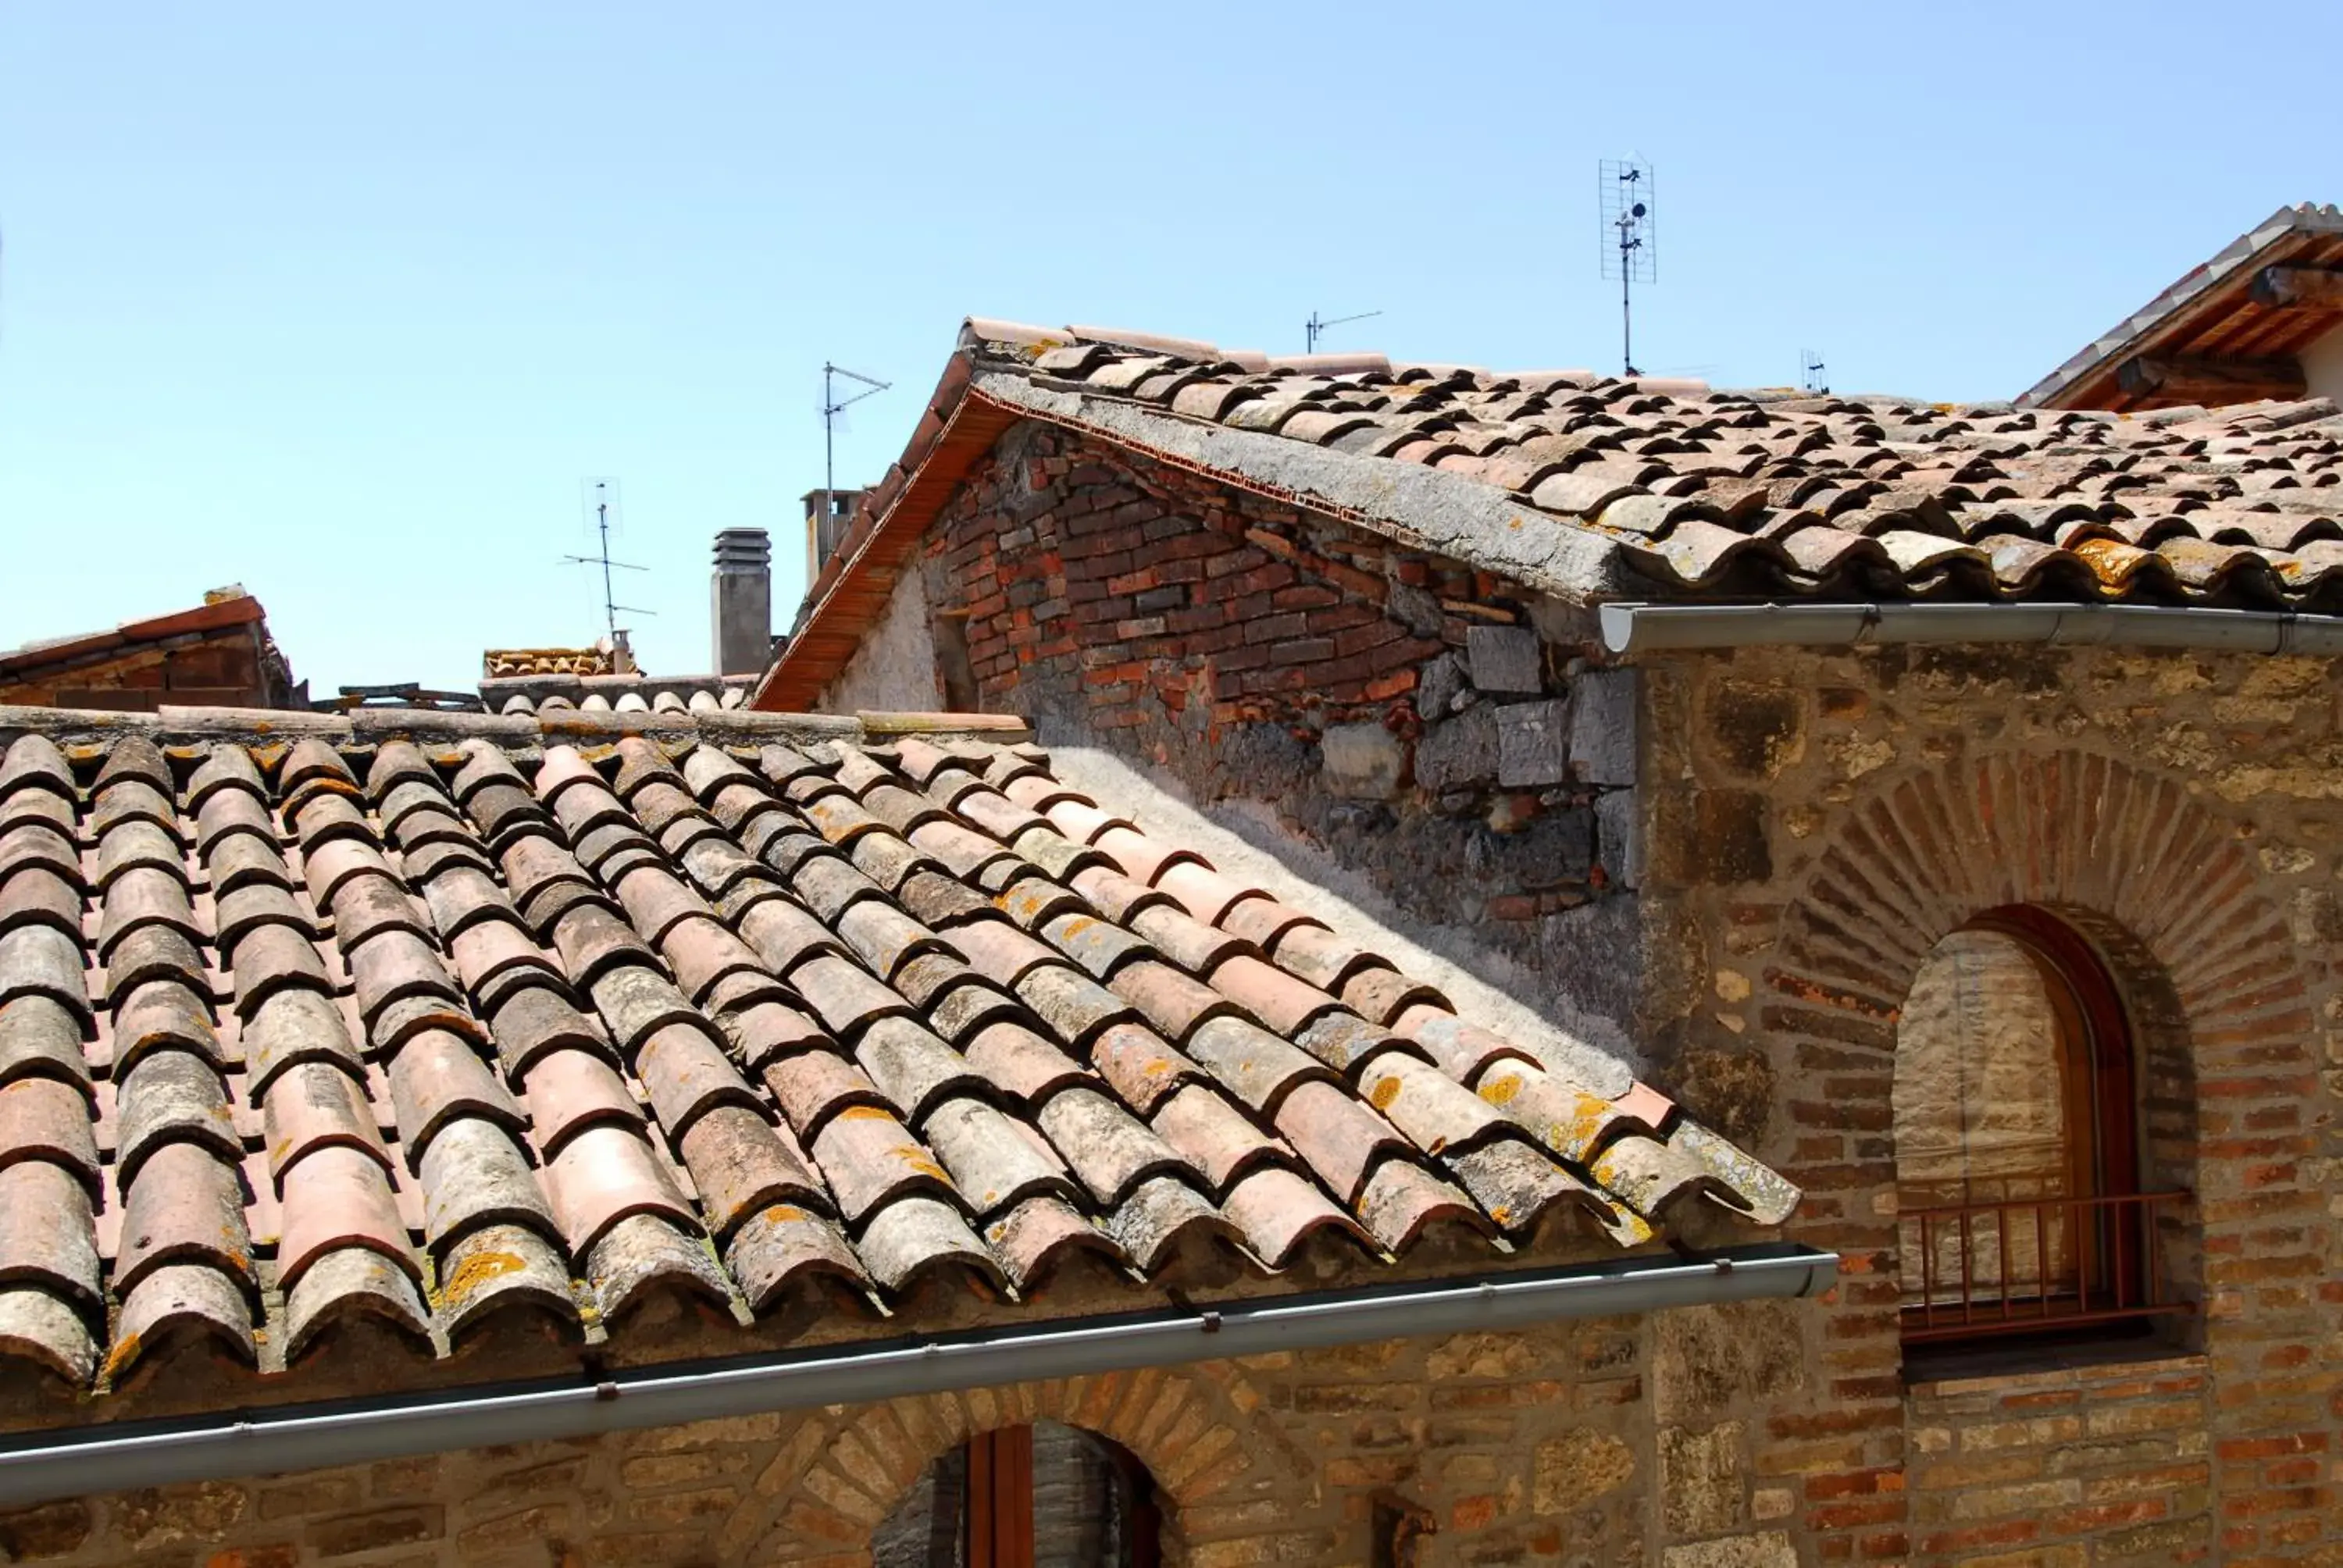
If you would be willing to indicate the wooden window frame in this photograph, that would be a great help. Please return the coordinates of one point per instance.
(999, 1512)
(2111, 1220)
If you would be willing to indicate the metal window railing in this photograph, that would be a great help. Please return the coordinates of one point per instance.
(2026, 1264)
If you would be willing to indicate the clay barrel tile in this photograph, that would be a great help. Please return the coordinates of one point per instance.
(778, 1246)
(1214, 1137)
(917, 1237)
(41, 1038)
(570, 1090)
(186, 1205)
(170, 1097)
(475, 1176)
(312, 1106)
(48, 1237)
(293, 1027)
(42, 1328)
(686, 1074)
(336, 1197)
(502, 1268)
(1109, 1150)
(437, 1077)
(173, 1304)
(1033, 1237)
(1279, 1212)
(741, 1165)
(351, 1283)
(1142, 1065)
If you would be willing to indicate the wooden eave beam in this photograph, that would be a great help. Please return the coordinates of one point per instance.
(2207, 379)
(2299, 289)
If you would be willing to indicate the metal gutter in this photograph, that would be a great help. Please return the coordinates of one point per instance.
(1650, 628)
(38, 1466)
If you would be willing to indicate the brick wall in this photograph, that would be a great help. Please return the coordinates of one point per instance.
(1588, 1444)
(1831, 817)
(1441, 728)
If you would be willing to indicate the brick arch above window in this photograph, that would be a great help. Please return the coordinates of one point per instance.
(2165, 886)
(1194, 1429)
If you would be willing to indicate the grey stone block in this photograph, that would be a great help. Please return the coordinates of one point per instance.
(1506, 659)
(1603, 726)
(1533, 744)
(1459, 753)
(1619, 837)
(1443, 678)
(1361, 761)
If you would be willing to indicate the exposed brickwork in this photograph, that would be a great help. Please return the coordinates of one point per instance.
(2179, 812)
(1236, 642)
(1538, 1447)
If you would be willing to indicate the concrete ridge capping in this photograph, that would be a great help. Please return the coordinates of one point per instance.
(263, 727)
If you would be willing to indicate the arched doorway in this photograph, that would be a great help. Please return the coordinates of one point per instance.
(2017, 1120)
(1046, 1495)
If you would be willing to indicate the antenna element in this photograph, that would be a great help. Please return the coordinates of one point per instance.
(601, 501)
(1810, 371)
(1313, 329)
(1626, 194)
(832, 405)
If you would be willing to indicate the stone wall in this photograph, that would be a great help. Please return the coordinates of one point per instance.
(1446, 731)
(1588, 1444)
(1828, 817)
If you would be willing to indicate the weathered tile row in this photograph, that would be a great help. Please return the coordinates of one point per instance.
(1731, 492)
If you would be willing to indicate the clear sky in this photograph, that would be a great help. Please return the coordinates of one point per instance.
(343, 302)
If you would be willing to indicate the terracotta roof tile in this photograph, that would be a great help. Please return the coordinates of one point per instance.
(534, 1050)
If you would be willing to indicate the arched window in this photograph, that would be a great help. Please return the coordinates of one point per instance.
(1039, 1496)
(2019, 1198)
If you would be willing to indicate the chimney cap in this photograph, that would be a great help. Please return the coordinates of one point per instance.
(751, 547)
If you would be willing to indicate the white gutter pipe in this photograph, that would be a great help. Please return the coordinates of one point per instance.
(36, 1467)
(1649, 628)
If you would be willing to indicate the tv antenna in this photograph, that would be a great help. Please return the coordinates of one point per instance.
(601, 498)
(832, 405)
(1313, 329)
(1626, 194)
(1810, 371)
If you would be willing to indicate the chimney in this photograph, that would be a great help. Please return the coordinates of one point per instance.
(743, 602)
(828, 513)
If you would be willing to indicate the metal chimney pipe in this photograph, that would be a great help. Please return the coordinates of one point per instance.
(742, 622)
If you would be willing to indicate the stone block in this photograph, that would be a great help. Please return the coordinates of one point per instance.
(1577, 1467)
(1603, 726)
(1533, 744)
(1706, 1359)
(1549, 849)
(1619, 837)
(1361, 761)
(1459, 754)
(1768, 1549)
(1700, 1479)
(1755, 730)
(1505, 660)
(1443, 682)
(1728, 841)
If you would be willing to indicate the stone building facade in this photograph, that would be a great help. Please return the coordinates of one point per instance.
(1735, 862)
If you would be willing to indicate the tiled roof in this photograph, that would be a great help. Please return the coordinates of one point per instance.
(305, 1018)
(1721, 491)
(2210, 311)
(625, 693)
(1593, 488)
(221, 608)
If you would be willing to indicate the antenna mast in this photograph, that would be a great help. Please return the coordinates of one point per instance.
(1626, 194)
(832, 405)
(1313, 329)
(1810, 371)
(601, 500)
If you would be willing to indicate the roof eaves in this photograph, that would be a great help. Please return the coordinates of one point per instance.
(241, 610)
(2179, 304)
(982, 393)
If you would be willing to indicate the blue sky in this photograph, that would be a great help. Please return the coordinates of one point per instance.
(343, 303)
